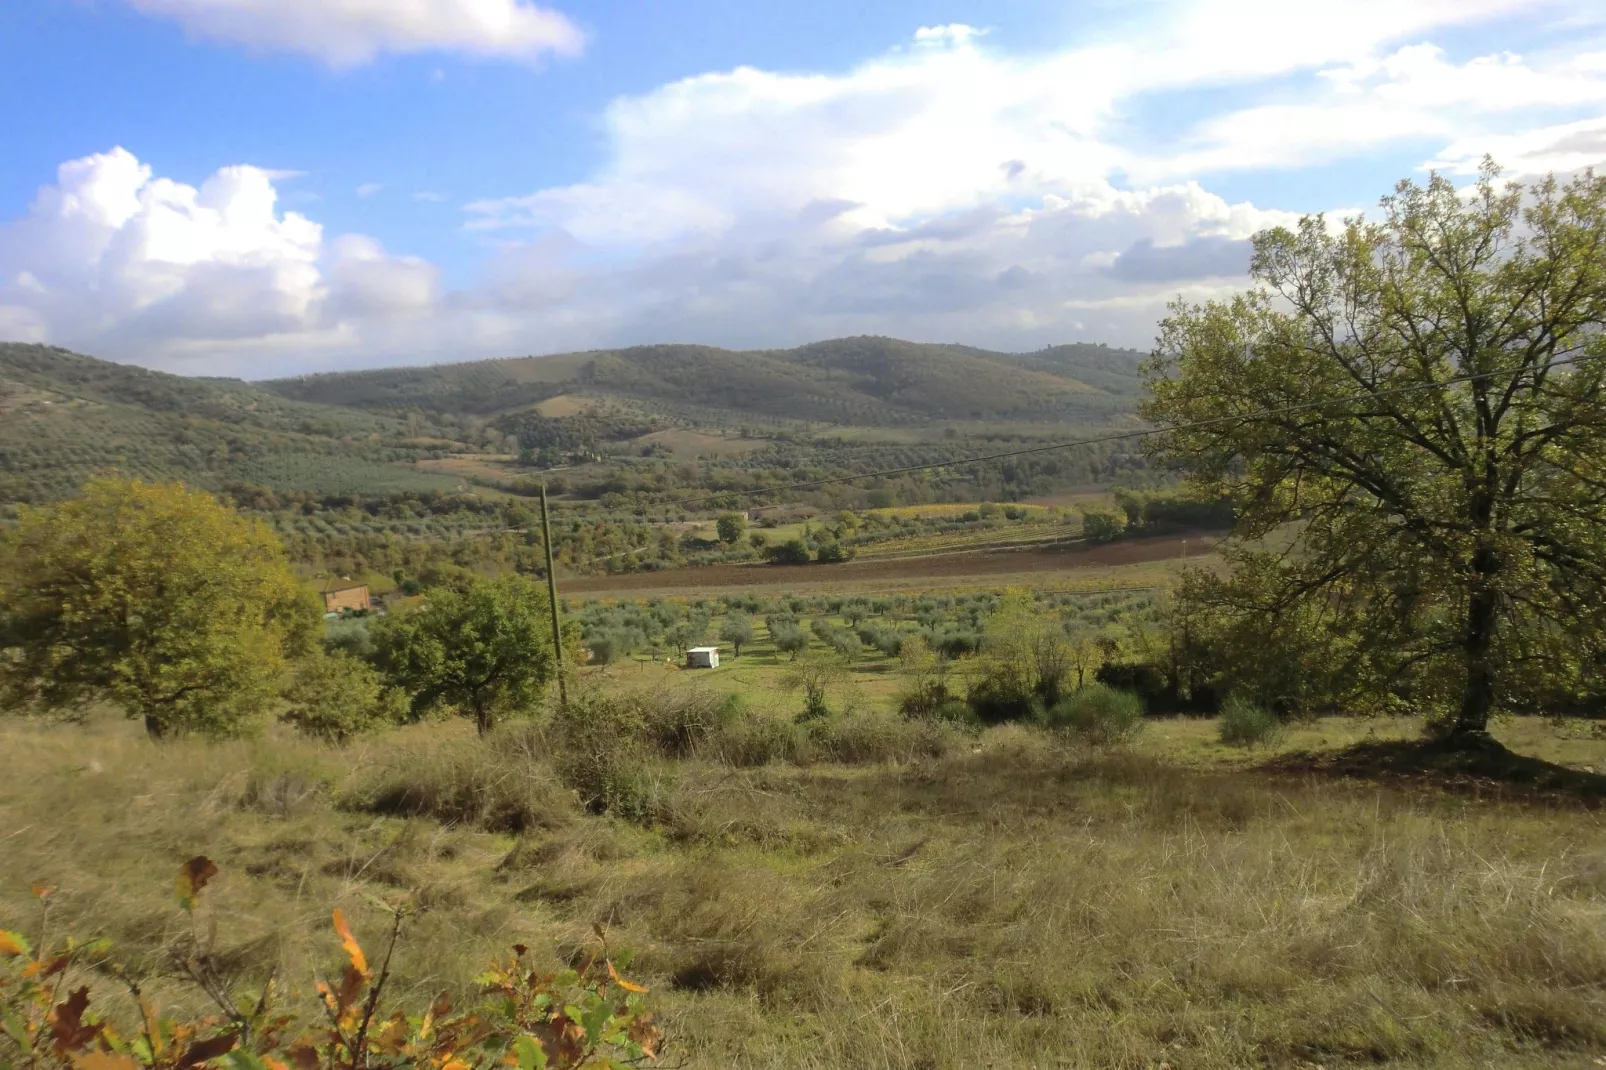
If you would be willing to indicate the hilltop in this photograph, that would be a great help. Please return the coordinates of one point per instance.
(65, 416)
(865, 381)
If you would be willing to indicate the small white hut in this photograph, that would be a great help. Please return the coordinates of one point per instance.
(702, 657)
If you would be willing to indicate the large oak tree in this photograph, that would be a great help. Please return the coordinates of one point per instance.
(1445, 534)
(155, 598)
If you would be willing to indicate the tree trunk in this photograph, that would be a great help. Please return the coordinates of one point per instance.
(483, 717)
(1483, 610)
(154, 728)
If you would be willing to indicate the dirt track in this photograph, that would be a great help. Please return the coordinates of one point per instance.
(941, 568)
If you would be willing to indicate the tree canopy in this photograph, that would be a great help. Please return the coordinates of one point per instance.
(155, 598)
(1408, 417)
(482, 653)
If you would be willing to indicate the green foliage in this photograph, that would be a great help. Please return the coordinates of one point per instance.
(731, 527)
(1447, 530)
(1101, 525)
(831, 552)
(336, 697)
(1098, 714)
(789, 639)
(874, 381)
(585, 1017)
(485, 652)
(1245, 724)
(738, 631)
(816, 675)
(790, 552)
(155, 598)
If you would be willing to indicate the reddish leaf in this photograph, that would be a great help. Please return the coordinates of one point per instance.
(202, 1050)
(67, 1028)
(12, 944)
(192, 877)
(303, 1057)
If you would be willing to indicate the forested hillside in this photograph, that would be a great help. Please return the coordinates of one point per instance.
(65, 417)
(856, 381)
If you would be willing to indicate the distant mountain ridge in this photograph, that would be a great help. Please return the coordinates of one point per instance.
(864, 380)
(65, 417)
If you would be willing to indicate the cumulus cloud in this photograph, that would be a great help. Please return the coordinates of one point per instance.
(345, 33)
(114, 259)
(946, 190)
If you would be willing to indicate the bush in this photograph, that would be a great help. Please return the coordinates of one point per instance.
(499, 785)
(336, 697)
(997, 698)
(831, 553)
(755, 740)
(868, 737)
(599, 749)
(1098, 714)
(604, 651)
(678, 722)
(1247, 724)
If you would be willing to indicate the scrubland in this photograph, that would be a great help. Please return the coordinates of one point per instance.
(865, 891)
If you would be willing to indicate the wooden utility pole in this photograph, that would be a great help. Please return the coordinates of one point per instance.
(552, 596)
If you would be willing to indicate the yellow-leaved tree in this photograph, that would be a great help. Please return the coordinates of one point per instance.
(153, 597)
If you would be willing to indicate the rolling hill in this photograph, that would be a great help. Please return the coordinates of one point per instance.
(866, 381)
(65, 417)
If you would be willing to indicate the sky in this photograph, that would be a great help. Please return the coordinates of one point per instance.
(257, 188)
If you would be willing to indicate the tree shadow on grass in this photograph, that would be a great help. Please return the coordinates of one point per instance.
(1480, 767)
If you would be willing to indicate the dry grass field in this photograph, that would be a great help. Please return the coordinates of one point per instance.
(870, 893)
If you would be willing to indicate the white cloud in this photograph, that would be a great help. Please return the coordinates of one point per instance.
(368, 189)
(1559, 148)
(346, 33)
(946, 190)
(113, 259)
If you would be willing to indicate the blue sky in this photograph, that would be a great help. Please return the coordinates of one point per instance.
(267, 186)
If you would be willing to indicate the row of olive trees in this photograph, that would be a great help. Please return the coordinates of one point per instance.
(162, 602)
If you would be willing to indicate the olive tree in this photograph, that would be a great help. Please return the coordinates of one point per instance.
(1413, 408)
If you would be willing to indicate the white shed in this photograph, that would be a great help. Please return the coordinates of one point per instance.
(702, 657)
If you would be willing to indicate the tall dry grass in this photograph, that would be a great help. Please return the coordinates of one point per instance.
(1007, 901)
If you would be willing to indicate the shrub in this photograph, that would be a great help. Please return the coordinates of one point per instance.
(1247, 724)
(1100, 525)
(1098, 714)
(997, 697)
(678, 722)
(598, 748)
(831, 553)
(336, 697)
(604, 651)
(869, 737)
(755, 740)
(791, 552)
(499, 785)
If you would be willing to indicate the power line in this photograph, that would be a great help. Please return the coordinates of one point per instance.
(1099, 440)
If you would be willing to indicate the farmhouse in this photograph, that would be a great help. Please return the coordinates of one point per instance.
(702, 657)
(340, 596)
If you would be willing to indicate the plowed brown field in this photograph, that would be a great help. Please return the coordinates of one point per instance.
(936, 569)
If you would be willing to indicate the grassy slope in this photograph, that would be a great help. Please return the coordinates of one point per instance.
(1008, 904)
